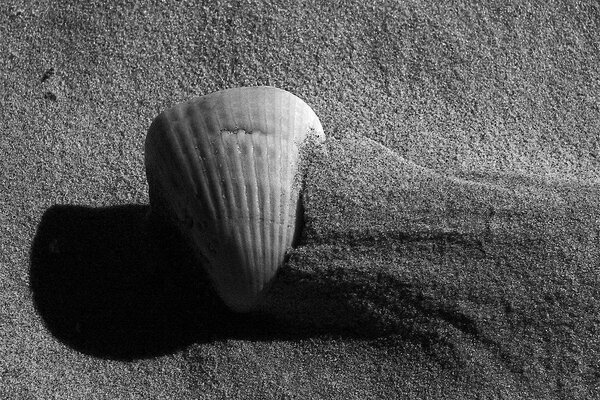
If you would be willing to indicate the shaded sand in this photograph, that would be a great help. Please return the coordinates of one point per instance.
(451, 239)
(489, 281)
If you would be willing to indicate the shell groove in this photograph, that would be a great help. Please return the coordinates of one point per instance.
(227, 169)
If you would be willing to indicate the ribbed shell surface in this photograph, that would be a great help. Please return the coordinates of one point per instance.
(226, 168)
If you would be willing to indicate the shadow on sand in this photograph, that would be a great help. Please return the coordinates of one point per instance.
(116, 284)
(112, 283)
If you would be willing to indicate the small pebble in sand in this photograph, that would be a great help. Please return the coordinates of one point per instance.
(50, 96)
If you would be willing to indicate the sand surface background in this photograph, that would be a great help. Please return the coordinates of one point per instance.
(451, 247)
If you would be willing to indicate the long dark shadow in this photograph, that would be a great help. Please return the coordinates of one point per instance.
(115, 284)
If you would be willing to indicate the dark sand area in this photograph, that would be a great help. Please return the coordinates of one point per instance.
(451, 247)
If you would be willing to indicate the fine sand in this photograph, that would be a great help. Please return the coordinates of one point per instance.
(451, 247)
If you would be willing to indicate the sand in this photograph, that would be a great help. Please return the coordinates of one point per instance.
(451, 240)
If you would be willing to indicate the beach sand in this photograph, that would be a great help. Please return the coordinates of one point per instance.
(451, 241)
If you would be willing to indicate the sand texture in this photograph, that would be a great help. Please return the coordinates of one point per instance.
(451, 247)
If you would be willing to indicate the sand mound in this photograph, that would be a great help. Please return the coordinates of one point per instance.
(477, 274)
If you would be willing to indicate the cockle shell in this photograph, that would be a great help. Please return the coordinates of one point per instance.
(227, 169)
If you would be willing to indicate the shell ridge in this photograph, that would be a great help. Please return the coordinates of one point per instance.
(249, 200)
(212, 128)
(269, 203)
(260, 171)
(234, 163)
(282, 172)
(228, 187)
(179, 148)
(248, 237)
(204, 192)
(291, 106)
(168, 145)
(238, 167)
(186, 179)
(193, 116)
(289, 166)
(278, 132)
(255, 202)
(215, 174)
(225, 173)
(187, 150)
(199, 126)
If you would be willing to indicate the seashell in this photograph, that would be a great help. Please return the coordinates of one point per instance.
(227, 169)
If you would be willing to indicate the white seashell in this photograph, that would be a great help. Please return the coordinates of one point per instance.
(227, 169)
